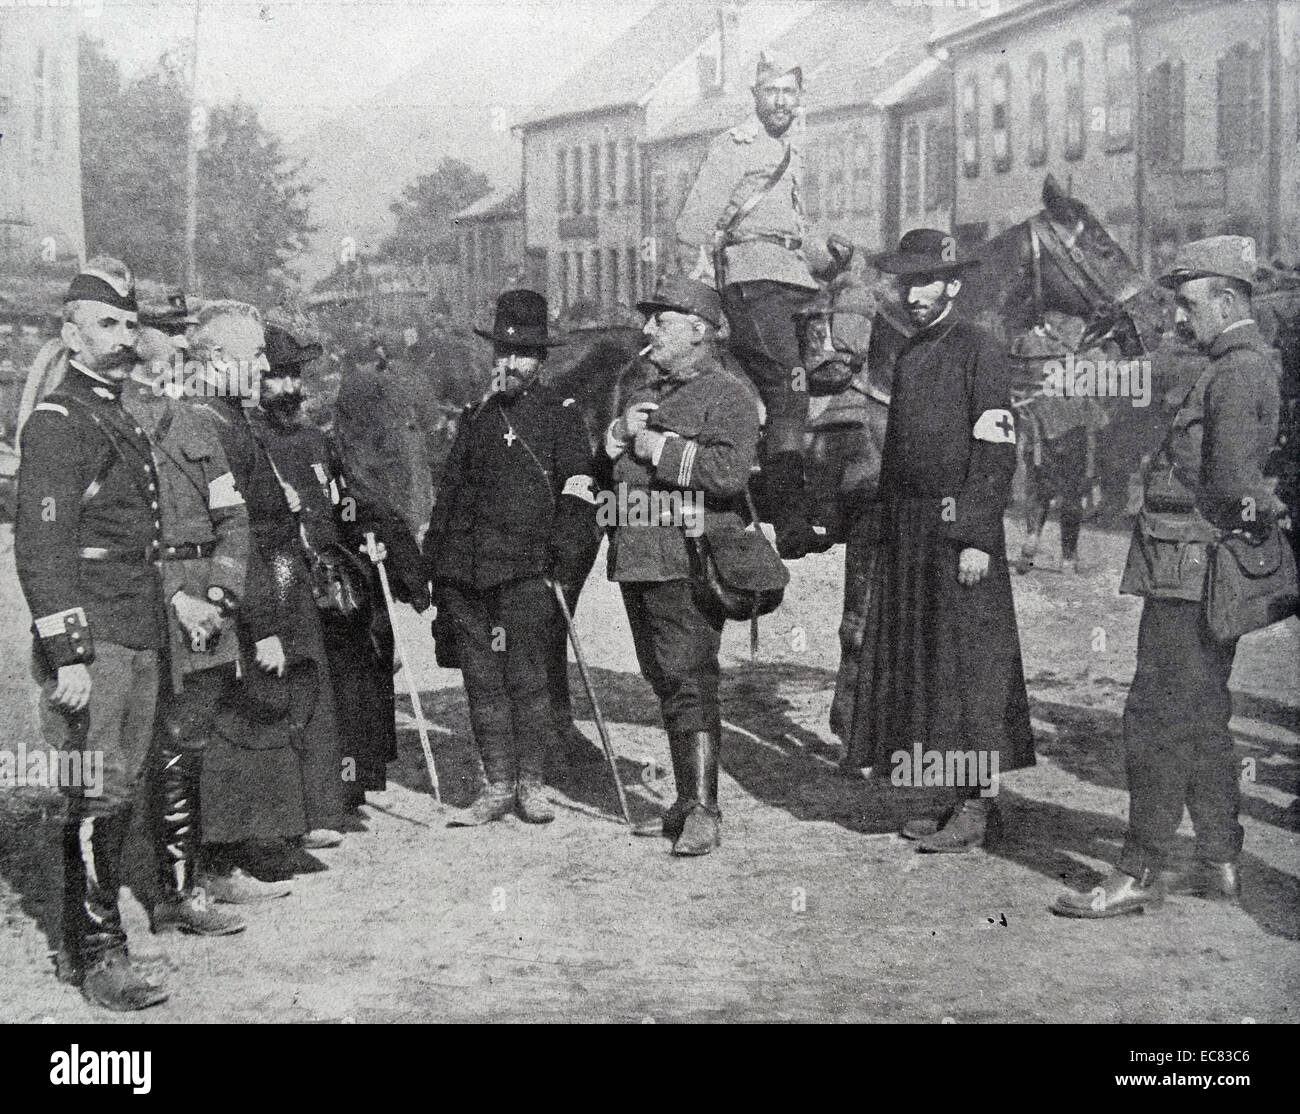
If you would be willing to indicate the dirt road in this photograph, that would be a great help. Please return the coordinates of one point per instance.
(811, 910)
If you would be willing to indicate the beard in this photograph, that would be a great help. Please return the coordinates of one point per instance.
(924, 316)
(284, 408)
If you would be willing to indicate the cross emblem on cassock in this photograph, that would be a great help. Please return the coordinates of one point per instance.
(510, 437)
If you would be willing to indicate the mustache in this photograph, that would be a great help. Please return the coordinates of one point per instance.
(119, 357)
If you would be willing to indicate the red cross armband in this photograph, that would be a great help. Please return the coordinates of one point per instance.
(996, 426)
(64, 638)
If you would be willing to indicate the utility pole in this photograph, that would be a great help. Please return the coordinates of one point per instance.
(196, 125)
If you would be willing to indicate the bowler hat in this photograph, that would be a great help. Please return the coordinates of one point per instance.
(685, 295)
(521, 321)
(1227, 256)
(286, 353)
(171, 314)
(924, 251)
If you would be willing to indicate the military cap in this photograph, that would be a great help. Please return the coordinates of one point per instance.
(924, 251)
(169, 313)
(685, 295)
(95, 285)
(1226, 256)
(773, 65)
(286, 353)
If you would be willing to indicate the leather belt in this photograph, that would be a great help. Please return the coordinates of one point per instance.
(193, 551)
(790, 243)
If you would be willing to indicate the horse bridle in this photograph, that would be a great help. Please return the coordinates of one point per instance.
(1046, 234)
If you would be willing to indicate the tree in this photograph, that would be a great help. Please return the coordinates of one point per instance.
(253, 214)
(425, 209)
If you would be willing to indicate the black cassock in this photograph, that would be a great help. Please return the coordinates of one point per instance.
(941, 665)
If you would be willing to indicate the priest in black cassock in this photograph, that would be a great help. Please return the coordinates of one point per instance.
(941, 692)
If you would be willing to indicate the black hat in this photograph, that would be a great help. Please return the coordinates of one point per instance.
(286, 353)
(171, 314)
(262, 701)
(521, 321)
(924, 251)
(685, 295)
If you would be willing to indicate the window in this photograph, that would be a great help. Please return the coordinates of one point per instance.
(812, 181)
(579, 276)
(1119, 93)
(564, 281)
(970, 127)
(685, 180)
(631, 190)
(938, 165)
(1241, 104)
(594, 176)
(579, 197)
(597, 277)
(562, 180)
(633, 268)
(1164, 114)
(611, 174)
(56, 105)
(611, 265)
(658, 200)
(1037, 154)
(1002, 118)
(863, 182)
(1075, 142)
(912, 170)
(837, 193)
(38, 100)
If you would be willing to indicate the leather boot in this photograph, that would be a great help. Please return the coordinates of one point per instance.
(670, 823)
(702, 828)
(182, 904)
(93, 940)
(536, 741)
(1212, 881)
(966, 828)
(494, 734)
(1119, 893)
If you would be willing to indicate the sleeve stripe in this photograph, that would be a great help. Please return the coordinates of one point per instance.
(52, 407)
(688, 463)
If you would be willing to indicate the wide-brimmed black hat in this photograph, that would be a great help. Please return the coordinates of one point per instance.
(521, 322)
(263, 711)
(170, 313)
(286, 353)
(925, 251)
(684, 295)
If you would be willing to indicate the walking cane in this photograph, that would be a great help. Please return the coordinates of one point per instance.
(406, 669)
(591, 695)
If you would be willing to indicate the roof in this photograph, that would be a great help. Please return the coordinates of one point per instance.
(626, 70)
(850, 51)
(501, 202)
(929, 80)
(1011, 16)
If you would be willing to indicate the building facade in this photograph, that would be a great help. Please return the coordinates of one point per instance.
(489, 254)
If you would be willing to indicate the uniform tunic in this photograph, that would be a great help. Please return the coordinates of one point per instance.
(941, 666)
(87, 481)
(359, 646)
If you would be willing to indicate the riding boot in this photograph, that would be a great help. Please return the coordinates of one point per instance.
(494, 733)
(93, 940)
(702, 828)
(670, 823)
(535, 740)
(789, 507)
(182, 905)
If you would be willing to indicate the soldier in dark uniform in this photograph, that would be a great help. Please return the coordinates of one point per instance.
(744, 216)
(86, 539)
(272, 773)
(693, 430)
(204, 563)
(514, 513)
(336, 516)
(1206, 479)
(941, 690)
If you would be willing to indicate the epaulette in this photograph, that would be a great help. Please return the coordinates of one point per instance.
(744, 133)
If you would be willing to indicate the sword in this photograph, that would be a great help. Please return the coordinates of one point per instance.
(591, 695)
(406, 670)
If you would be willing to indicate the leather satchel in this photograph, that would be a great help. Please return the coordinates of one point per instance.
(1251, 584)
(735, 572)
